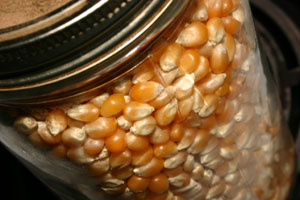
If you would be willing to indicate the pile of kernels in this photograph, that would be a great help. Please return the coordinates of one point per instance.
(183, 126)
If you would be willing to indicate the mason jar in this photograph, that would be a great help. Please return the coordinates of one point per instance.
(141, 99)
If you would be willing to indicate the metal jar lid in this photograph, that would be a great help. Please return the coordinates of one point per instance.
(72, 49)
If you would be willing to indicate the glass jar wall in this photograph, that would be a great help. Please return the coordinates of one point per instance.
(196, 118)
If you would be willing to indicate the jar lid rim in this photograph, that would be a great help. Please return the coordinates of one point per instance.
(124, 36)
(27, 47)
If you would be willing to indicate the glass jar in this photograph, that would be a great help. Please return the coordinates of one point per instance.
(144, 100)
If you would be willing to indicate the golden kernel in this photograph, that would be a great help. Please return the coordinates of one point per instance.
(84, 112)
(116, 142)
(159, 183)
(194, 35)
(146, 91)
(113, 105)
(102, 127)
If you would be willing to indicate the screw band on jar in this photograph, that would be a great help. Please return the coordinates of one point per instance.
(187, 123)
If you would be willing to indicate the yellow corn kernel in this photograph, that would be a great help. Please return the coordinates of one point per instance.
(26, 125)
(165, 115)
(170, 59)
(232, 26)
(177, 132)
(211, 83)
(215, 28)
(84, 112)
(144, 126)
(165, 78)
(116, 142)
(187, 139)
(111, 184)
(235, 4)
(210, 105)
(193, 120)
(206, 49)
(165, 150)
(189, 61)
(184, 86)
(180, 180)
(127, 99)
(208, 122)
(227, 7)
(198, 100)
(198, 172)
(113, 105)
(136, 142)
(45, 134)
(140, 158)
(123, 87)
(185, 107)
(165, 97)
(78, 155)
(223, 90)
(214, 8)
(175, 160)
(73, 137)
(151, 168)
(120, 160)
(202, 69)
(123, 173)
(201, 139)
(102, 127)
(229, 44)
(219, 59)
(99, 100)
(159, 183)
(103, 154)
(174, 171)
(193, 35)
(123, 123)
(93, 147)
(160, 135)
(99, 167)
(137, 183)
(190, 163)
(74, 123)
(200, 13)
(56, 121)
(134, 111)
(146, 91)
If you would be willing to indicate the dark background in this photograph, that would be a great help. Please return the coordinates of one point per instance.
(19, 184)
